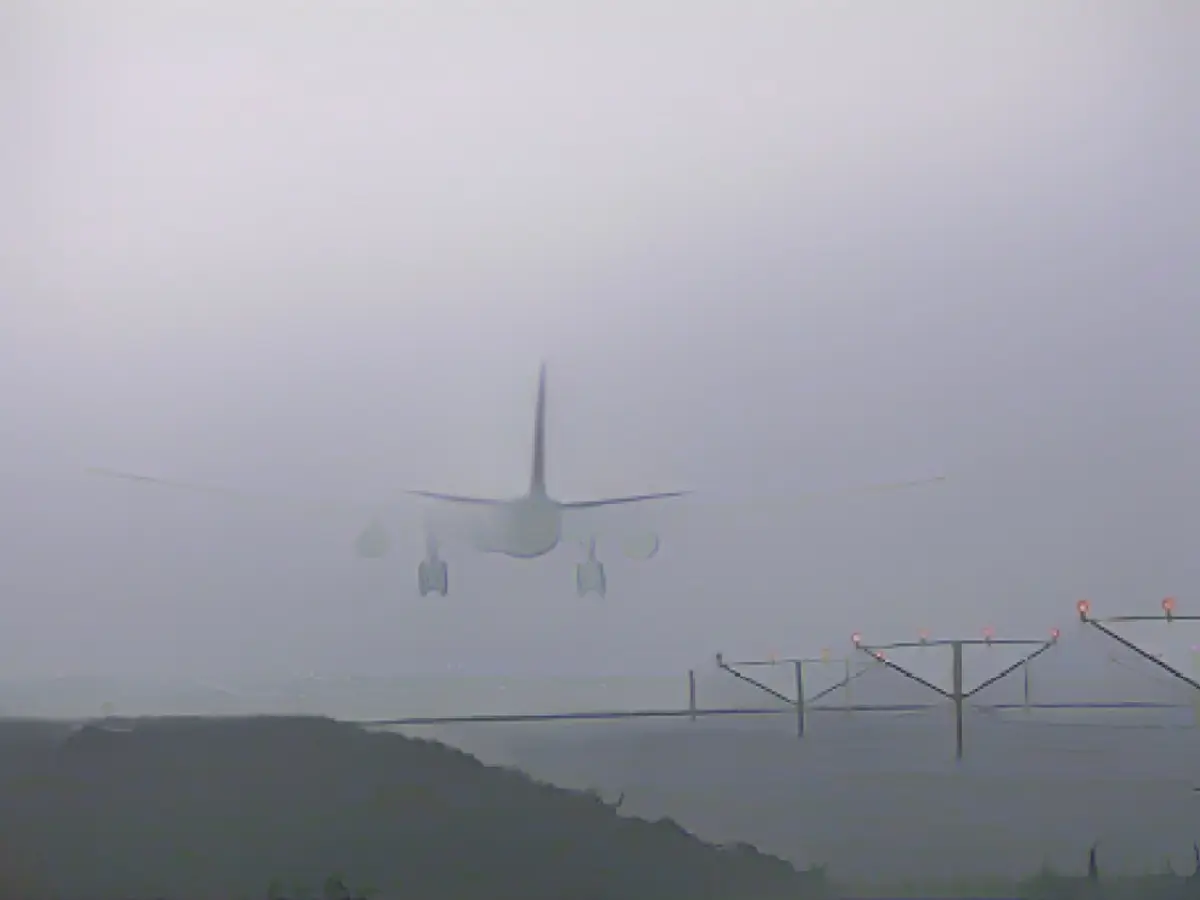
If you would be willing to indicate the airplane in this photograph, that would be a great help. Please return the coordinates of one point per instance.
(528, 526)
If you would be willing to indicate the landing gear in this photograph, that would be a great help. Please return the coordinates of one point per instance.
(589, 574)
(432, 574)
(433, 577)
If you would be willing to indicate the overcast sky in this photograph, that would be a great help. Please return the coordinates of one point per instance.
(765, 248)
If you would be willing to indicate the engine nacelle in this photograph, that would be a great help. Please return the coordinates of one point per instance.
(642, 547)
(374, 542)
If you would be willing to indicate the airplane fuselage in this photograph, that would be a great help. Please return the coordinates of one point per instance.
(524, 528)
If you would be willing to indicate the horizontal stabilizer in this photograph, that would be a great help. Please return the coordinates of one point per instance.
(456, 498)
(616, 501)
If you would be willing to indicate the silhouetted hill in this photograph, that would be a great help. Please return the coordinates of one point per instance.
(209, 807)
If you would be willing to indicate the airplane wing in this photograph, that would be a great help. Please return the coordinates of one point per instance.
(312, 505)
(779, 502)
(783, 502)
(318, 507)
(877, 488)
(376, 534)
(373, 541)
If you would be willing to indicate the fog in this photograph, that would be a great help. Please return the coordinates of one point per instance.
(765, 251)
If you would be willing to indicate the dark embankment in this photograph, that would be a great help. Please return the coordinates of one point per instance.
(222, 808)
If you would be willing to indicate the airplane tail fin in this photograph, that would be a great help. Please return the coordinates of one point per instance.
(537, 479)
(537, 476)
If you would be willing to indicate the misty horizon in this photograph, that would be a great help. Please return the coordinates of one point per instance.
(763, 254)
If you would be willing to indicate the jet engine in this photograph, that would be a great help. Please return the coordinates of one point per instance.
(374, 542)
(642, 546)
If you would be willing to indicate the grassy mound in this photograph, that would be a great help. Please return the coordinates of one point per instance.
(186, 808)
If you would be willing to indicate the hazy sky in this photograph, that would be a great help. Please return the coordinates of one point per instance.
(766, 249)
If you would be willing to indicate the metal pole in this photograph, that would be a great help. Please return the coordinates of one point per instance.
(849, 683)
(692, 694)
(957, 647)
(799, 698)
(1196, 694)
(1025, 670)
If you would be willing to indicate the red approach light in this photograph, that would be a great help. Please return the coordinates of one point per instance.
(1084, 608)
(879, 656)
(988, 634)
(1054, 633)
(1168, 606)
(923, 636)
(857, 638)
